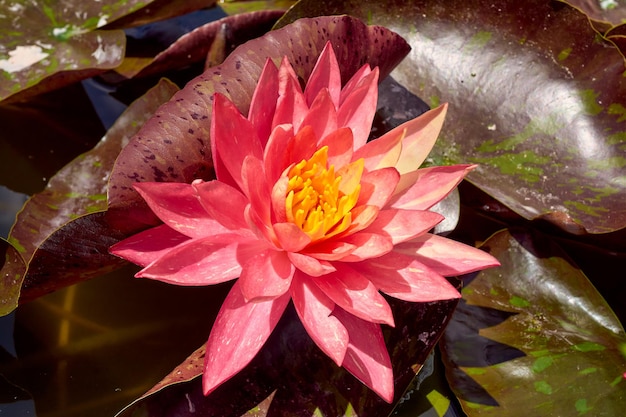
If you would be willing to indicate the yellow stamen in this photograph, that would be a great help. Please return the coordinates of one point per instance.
(318, 201)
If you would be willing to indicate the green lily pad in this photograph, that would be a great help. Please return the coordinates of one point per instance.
(75, 191)
(536, 98)
(534, 337)
(45, 46)
(232, 7)
(13, 269)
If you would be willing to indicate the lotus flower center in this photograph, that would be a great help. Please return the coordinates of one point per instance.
(318, 200)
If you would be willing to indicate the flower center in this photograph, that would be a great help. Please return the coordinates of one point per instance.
(318, 199)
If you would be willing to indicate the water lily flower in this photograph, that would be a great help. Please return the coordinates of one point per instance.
(304, 209)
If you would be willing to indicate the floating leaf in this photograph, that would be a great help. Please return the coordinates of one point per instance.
(196, 45)
(536, 98)
(12, 271)
(45, 46)
(145, 12)
(534, 337)
(611, 12)
(76, 190)
(174, 145)
(244, 6)
(298, 379)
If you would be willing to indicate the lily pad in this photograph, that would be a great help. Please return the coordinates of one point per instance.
(296, 378)
(12, 273)
(536, 98)
(76, 190)
(219, 38)
(611, 12)
(534, 337)
(174, 145)
(232, 7)
(45, 46)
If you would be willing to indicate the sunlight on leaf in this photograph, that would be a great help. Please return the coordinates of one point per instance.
(555, 348)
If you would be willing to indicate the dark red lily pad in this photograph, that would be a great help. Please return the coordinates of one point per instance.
(536, 98)
(534, 337)
(222, 35)
(77, 190)
(296, 378)
(174, 145)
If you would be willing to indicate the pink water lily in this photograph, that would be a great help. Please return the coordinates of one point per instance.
(305, 209)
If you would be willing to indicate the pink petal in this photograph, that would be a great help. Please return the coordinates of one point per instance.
(263, 104)
(290, 237)
(340, 146)
(256, 188)
(279, 193)
(355, 294)
(325, 74)
(431, 186)
(233, 138)
(266, 275)
(358, 109)
(367, 357)
(322, 116)
(260, 228)
(274, 156)
(403, 225)
(445, 256)
(314, 309)
(380, 153)
(368, 245)
(362, 217)
(377, 187)
(291, 106)
(288, 149)
(309, 265)
(420, 135)
(302, 146)
(240, 330)
(404, 277)
(330, 250)
(147, 246)
(202, 261)
(177, 206)
(353, 82)
(213, 194)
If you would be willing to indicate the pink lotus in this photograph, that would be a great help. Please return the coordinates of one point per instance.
(304, 209)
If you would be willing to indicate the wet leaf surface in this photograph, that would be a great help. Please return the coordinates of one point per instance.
(155, 10)
(612, 12)
(536, 98)
(45, 46)
(195, 46)
(300, 379)
(245, 6)
(174, 145)
(12, 270)
(534, 337)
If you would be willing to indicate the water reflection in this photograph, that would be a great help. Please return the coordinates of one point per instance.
(94, 347)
